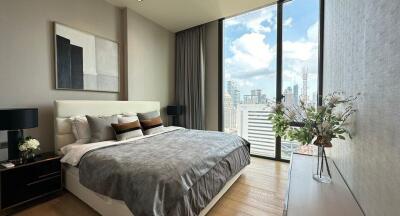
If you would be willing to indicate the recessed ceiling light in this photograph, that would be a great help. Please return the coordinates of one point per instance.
(139, 0)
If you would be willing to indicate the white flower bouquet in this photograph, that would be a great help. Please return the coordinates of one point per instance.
(28, 145)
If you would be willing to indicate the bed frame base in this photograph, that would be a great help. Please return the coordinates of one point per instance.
(111, 207)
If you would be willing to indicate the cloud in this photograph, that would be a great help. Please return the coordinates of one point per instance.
(299, 50)
(288, 22)
(289, 75)
(313, 32)
(250, 54)
(259, 21)
(301, 54)
(246, 83)
(254, 74)
(231, 22)
(258, 24)
(303, 49)
(227, 76)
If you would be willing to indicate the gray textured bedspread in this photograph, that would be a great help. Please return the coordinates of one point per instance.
(174, 173)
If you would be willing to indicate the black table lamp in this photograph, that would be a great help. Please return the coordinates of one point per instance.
(175, 111)
(14, 120)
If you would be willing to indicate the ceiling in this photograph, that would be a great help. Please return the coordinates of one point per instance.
(177, 15)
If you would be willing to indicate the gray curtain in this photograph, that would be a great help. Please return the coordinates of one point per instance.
(189, 77)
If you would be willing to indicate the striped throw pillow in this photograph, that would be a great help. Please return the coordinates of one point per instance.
(128, 130)
(151, 126)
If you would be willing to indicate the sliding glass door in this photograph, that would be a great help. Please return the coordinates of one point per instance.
(270, 55)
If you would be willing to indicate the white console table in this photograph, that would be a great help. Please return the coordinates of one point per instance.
(307, 197)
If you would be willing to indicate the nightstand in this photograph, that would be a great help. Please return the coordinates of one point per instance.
(30, 181)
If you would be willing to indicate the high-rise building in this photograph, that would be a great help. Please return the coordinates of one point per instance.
(263, 99)
(256, 97)
(229, 114)
(248, 99)
(254, 126)
(304, 96)
(234, 92)
(236, 98)
(296, 94)
(289, 97)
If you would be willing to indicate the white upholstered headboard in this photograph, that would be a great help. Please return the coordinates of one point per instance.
(64, 109)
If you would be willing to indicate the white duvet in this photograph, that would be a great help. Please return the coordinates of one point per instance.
(74, 152)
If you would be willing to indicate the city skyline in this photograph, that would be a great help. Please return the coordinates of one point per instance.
(290, 94)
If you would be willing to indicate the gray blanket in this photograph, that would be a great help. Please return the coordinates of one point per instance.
(174, 173)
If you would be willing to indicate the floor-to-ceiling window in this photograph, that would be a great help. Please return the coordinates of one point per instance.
(300, 36)
(250, 77)
(270, 55)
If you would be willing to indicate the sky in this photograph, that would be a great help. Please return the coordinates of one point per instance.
(250, 47)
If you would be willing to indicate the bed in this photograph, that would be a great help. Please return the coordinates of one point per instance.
(191, 183)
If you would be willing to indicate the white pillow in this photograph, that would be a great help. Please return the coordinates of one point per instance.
(127, 118)
(80, 129)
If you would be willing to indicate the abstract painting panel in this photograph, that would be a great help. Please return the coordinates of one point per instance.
(85, 61)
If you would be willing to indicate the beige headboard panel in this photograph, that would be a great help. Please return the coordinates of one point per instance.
(64, 109)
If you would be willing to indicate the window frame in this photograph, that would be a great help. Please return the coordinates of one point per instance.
(279, 72)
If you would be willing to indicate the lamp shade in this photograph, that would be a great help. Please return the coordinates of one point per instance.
(174, 110)
(15, 119)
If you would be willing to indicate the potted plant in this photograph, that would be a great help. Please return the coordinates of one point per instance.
(27, 147)
(318, 125)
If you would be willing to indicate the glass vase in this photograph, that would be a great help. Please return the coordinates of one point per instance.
(321, 170)
(28, 155)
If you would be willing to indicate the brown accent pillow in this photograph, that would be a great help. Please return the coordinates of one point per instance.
(151, 126)
(128, 130)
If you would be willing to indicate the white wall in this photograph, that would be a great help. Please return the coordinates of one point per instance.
(150, 61)
(27, 54)
(362, 54)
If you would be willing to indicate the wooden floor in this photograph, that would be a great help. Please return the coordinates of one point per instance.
(258, 192)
